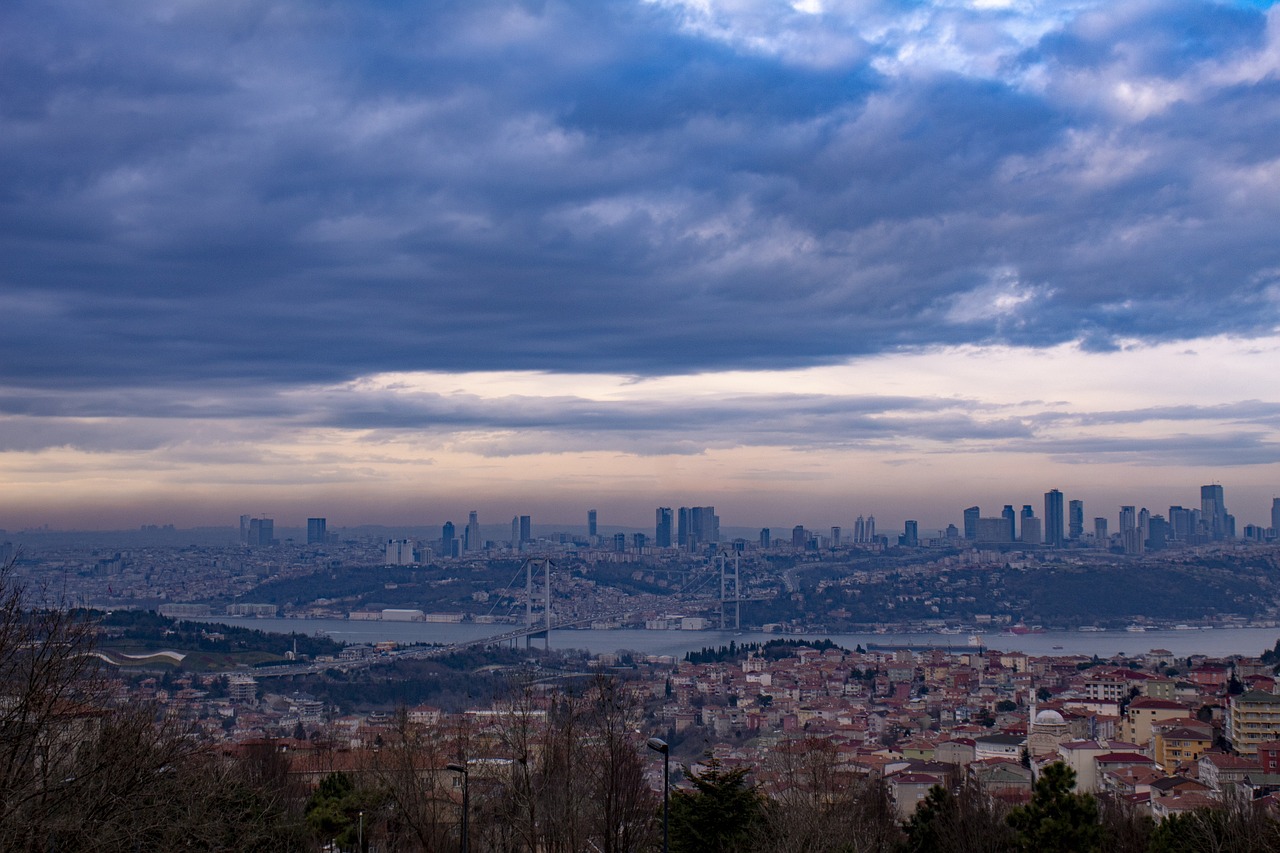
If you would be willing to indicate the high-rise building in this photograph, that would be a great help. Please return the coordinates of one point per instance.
(971, 516)
(526, 529)
(1182, 525)
(1128, 519)
(591, 523)
(638, 542)
(766, 538)
(1213, 511)
(244, 529)
(871, 528)
(992, 531)
(704, 524)
(1157, 533)
(835, 537)
(1075, 519)
(471, 538)
(798, 536)
(1054, 532)
(684, 528)
(447, 537)
(515, 531)
(1100, 532)
(262, 532)
(1031, 532)
(399, 552)
(1144, 524)
(620, 542)
(911, 533)
(1275, 517)
(662, 527)
(316, 532)
(1131, 539)
(860, 531)
(1011, 517)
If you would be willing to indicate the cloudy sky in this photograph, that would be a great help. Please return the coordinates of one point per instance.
(394, 261)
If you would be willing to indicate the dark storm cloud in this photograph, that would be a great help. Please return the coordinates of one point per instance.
(289, 193)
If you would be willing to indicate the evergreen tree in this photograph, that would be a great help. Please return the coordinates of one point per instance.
(1057, 820)
(721, 815)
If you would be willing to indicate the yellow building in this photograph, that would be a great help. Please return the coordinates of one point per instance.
(1143, 713)
(1171, 747)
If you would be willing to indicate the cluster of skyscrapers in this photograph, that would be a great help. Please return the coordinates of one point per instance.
(1138, 529)
(694, 526)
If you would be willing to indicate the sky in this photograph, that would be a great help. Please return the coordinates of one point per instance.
(391, 262)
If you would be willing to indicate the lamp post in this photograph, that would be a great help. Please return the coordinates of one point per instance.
(360, 834)
(466, 798)
(660, 745)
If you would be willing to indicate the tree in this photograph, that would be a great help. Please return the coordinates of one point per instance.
(965, 822)
(822, 806)
(1057, 820)
(722, 814)
(1237, 827)
(1124, 827)
(79, 771)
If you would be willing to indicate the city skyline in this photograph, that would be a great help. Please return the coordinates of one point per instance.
(797, 261)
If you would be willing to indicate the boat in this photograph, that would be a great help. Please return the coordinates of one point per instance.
(1022, 629)
(975, 639)
(1136, 629)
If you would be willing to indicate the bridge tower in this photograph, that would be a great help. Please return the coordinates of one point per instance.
(532, 567)
(725, 581)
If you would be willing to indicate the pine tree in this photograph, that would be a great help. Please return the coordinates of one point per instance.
(722, 814)
(1057, 820)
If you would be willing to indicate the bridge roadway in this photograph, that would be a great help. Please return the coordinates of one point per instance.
(427, 652)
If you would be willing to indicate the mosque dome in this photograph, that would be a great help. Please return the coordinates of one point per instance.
(1049, 718)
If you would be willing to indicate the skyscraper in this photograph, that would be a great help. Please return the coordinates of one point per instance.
(1075, 519)
(262, 532)
(911, 534)
(1053, 528)
(447, 537)
(526, 529)
(860, 531)
(1275, 517)
(1100, 532)
(471, 538)
(871, 528)
(662, 527)
(971, 516)
(798, 536)
(1213, 511)
(591, 523)
(835, 537)
(766, 538)
(1009, 515)
(316, 532)
(1128, 519)
(683, 528)
(704, 524)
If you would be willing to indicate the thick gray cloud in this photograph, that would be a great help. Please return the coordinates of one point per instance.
(297, 192)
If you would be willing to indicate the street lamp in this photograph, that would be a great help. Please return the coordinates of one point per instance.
(360, 833)
(660, 745)
(466, 798)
